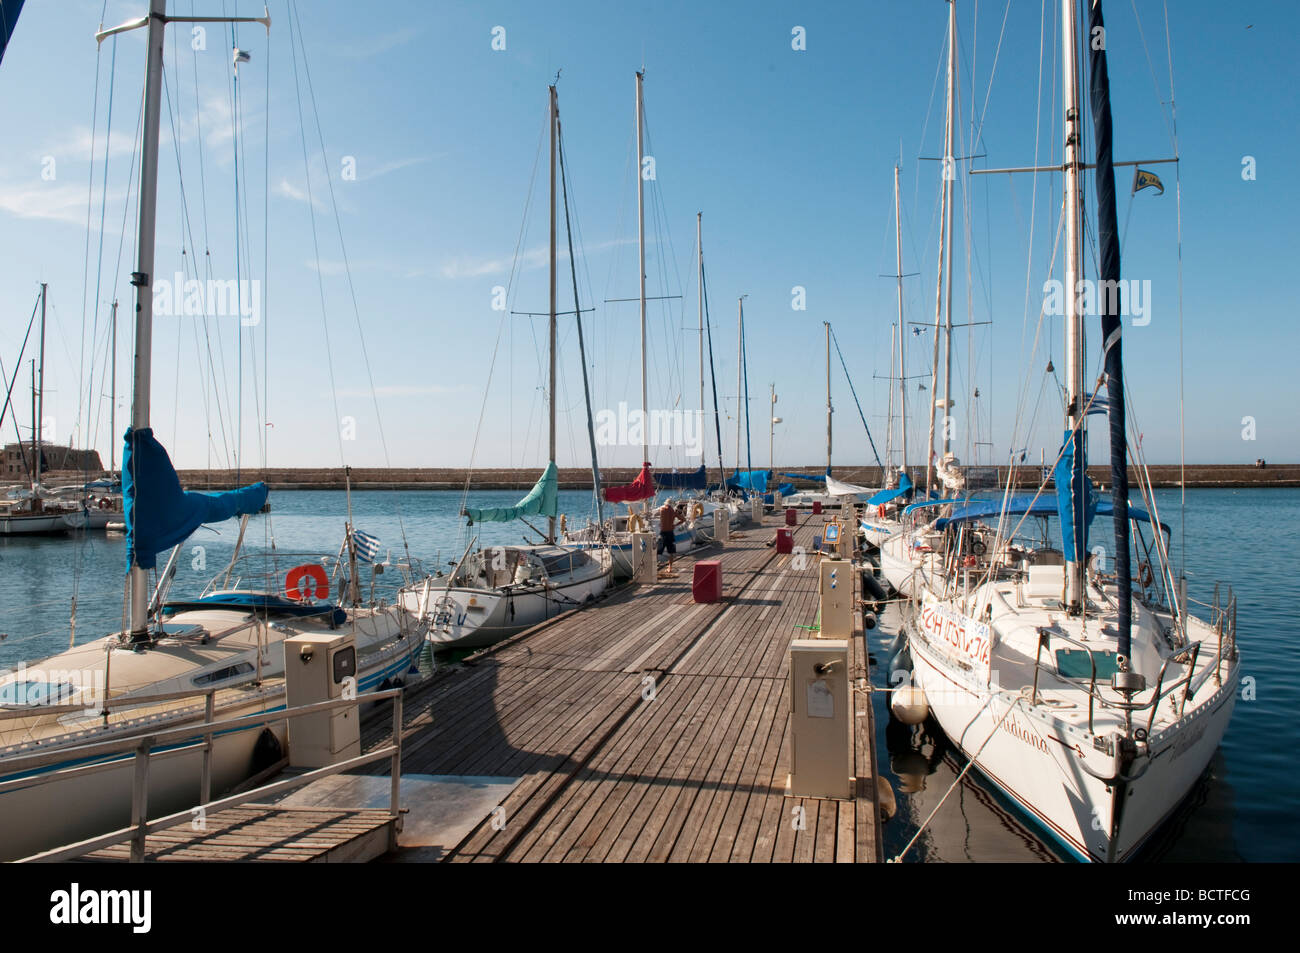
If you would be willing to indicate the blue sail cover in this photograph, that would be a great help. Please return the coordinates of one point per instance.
(542, 500)
(1076, 513)
(814, 477)
(1040, 505)
(676, 480)
(884, 496)
(9, 10)
(755, 480)
(170, 514)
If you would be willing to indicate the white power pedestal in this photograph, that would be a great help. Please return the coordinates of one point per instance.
(836, 588)
(721, 525)
(320, 668)
(756, 509)
(645, 561)
(820, 741)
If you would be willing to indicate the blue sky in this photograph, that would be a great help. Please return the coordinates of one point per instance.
(788, 154)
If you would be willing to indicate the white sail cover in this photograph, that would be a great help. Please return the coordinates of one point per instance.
(839, 488)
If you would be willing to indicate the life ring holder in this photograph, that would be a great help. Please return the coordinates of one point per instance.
(309, 573)
(635, 523)
(697, 510)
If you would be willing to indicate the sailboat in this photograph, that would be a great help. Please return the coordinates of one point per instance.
(230, 641)
(496, 591)
(33, 510)
(617, 533)
(1093, 700)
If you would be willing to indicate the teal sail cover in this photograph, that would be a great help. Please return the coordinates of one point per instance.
(1076, 501)
(542, 500)
(170, 514)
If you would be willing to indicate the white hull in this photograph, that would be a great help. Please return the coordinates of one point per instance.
(42, 524)
(57, 812)
(1030, 758)
(466, 617)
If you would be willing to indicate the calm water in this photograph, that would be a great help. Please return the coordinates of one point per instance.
(1245, 810)
(40, 576)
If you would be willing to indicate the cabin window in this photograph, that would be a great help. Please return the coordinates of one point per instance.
(36, 693)
(223, 674)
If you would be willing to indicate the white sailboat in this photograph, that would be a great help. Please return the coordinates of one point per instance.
(497, 591)
(1093, 700)
(229, 641)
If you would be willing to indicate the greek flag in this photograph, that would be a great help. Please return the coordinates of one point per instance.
(367, 546)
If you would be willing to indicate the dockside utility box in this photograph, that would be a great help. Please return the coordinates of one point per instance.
(721, 524)
(784, 541)
(836, 599)
(820, 742)
(756, 510)
(645, 559)
(706, 584)
(320, 668)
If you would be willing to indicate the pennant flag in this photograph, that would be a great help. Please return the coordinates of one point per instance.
(367, 546)
(241, 56)
(1143, 179)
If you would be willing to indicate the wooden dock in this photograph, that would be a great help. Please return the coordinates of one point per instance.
(649, 727)
(258, 832)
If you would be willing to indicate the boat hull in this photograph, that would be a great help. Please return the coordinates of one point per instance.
(1031, 757)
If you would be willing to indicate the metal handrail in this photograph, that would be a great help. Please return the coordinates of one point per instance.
(140, 827)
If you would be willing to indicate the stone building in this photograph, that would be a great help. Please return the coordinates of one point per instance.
(16, 461)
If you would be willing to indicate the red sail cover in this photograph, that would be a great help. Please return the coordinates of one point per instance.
(642, 488)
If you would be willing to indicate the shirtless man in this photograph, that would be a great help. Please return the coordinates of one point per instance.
(667, 523)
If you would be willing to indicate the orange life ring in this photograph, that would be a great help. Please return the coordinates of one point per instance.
(880, 511)
(969, 562)
(1144, 574)
(309, 573)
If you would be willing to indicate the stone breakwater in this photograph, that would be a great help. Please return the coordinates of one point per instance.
(577, 478)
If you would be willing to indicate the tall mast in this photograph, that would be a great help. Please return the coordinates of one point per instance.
(902, 335)
(829, 409)
(550, 523)
(740, 368)
(699, 247)
(40, 393)
(944, 243)
(35, 472)
(950, 173)
(142, 277)
(640, 246)
(1074, 384)
(771, 431)
(112, 401)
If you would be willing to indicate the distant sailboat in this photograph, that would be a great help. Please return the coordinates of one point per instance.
(496, 591)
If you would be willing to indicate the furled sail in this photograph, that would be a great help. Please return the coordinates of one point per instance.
(839, 488)
(170, 514)
(1076, 502)
(9, 10)
(542, 500)
(642, 488)
(689, 480)
(1108, 271)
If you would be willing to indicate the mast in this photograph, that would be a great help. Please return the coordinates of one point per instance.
(640, 246)
(744, 364)
(950, 173)
(944, 243)
(902, 329)
(550, 521)
(740, 368)
(39, 424)
(112, 400)
(142, 277)
(36, 451)
(700, 249)
(1074, 384)
(771, 431)
(829, 410)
